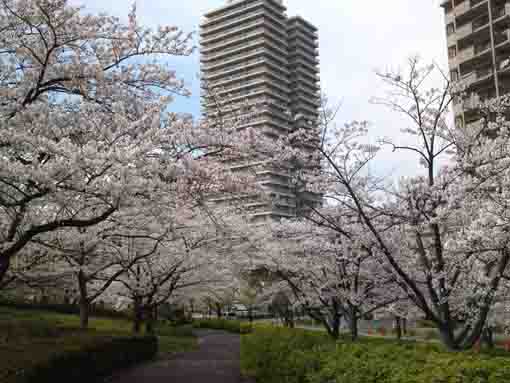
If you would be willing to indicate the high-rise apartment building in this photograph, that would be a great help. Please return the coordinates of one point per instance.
(252, 52)
(478, 51)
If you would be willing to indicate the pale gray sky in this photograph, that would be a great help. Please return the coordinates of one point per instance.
(356, 38)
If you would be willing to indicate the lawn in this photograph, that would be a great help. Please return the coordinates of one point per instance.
(29, 338)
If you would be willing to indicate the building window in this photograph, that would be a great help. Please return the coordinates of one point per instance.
(450, 29)
(454, 75)
(452, 52)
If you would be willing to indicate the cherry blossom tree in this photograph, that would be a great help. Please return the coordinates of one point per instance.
(85, 134)
(79, 115)
(330, 277)
(436, 233)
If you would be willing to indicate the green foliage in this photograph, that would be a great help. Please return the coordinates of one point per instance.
(274, 355)
(40, 341)
(61, 308)
(93, 361)
(425, 323)
(165, 329)
(234, 326)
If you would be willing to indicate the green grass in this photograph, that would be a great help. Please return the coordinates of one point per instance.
(28, 338)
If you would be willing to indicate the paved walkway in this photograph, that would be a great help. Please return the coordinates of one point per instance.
(216, 361)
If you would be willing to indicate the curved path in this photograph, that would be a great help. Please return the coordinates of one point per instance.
(216, 361)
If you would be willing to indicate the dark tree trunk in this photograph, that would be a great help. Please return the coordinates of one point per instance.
(84, 302)
(404, 325)
(4, 266)
(333, 325)
(398, 327)
(149, 321)
(84, 314)
(137, 316)
(488, 338)
(219, 312)
(448, 339)
(353, 324)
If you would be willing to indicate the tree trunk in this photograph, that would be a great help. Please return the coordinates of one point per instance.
(488, 338)
(219, 312)
(84, 302)
(353, 324)
(84, 314)
(137, 316)
(4, 266)
(398, 327)
(448, 339)
(149, 321)
(404, 325)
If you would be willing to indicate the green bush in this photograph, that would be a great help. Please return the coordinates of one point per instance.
(300, 356)
(164, 329)
(425, 323)
(61, 308)
(234, 326)
(277, 354)
(93, 361)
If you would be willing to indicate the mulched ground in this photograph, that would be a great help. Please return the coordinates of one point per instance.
(216, 361)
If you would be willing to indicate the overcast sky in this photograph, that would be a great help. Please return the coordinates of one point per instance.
(356, 37)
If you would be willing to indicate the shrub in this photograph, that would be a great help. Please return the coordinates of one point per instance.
(275, 355)
(62, 308)
(175, 331)
(425, 323)
(92, 362)
(298, 356)
(234, 326)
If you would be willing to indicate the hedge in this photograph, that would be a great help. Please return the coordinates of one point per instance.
(62, 308)
(233, 326)
(274, 355)
(92, 362)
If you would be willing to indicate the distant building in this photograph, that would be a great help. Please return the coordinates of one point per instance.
(478, 52)
(251, 51)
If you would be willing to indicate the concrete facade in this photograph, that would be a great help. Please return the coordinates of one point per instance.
(252, 52)
(478, 52)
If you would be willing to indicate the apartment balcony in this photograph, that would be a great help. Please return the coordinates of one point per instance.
(299, 62)
(232, 51)
(232, 41)
(500, 13)
(253, 83)
(501, 38)
(468, 6)
(260, 94)
(244, 67)
(465, 54)
(299, 87)
(211, 20)
(480, 22)
(309, 40)
(464, 31)
(471, 103)
(240, 58)
(475, 77)
(247, 74)
(232, 22)
(311, 78)
(296, 45)
(221, 36)
(301, 106)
